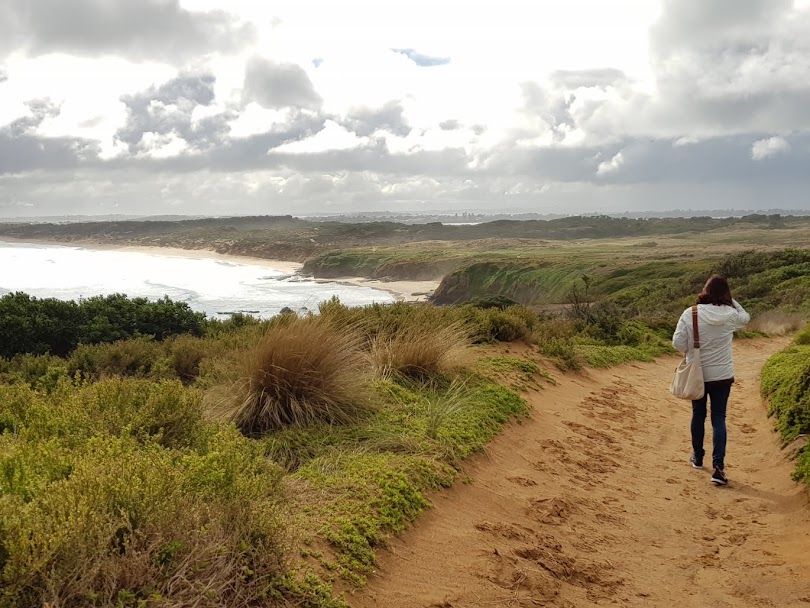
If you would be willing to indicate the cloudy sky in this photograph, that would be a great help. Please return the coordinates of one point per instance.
(305, 106)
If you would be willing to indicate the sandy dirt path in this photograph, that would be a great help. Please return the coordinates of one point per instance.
(592, 502)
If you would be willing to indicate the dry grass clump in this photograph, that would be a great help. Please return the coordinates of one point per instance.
(304, 372)
(421, 351)
(777, 322)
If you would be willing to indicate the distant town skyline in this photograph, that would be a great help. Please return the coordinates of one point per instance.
(205, 107)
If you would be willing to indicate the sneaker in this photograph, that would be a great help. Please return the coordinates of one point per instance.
(719, 477)
(696, 464)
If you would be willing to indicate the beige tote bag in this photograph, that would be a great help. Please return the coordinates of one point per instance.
(688, 381)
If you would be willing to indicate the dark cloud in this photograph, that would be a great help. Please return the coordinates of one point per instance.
(377, 159)
(732, 76)
(732, 65)
(252, 152)
(279, 85)
(658, 161)
(3, 75)
(146, 192)
(390, 117)
(720, 22)
(139, 29)
(22, 150)
(168, 109)
(24, 153)
(422, 60)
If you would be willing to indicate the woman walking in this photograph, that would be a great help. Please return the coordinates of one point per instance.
(719, 316)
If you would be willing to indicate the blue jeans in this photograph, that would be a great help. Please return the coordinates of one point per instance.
(718, 393)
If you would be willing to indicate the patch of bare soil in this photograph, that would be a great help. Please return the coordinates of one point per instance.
(593, 502)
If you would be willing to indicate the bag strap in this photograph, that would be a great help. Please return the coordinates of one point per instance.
(695, 330)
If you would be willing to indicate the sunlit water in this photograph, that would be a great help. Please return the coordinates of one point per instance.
(215, 287)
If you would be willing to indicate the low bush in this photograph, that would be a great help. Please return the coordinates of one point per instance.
(37, 371)
(186, 354)
(803, 337)
(126, 523)
(563, 352)
(39, 326)
(162, 411)
(140, 358)
(482, 324)
(496, 325)
(786, 384)
(802, 472)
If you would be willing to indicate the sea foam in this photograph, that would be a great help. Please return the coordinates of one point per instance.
(216, 287)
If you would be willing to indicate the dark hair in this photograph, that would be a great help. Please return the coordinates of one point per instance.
(716, 291)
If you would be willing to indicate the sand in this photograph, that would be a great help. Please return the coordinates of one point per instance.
(592, 502)
(406, 291)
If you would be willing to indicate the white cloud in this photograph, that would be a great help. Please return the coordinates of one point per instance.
(535, 97)
(612, 165)
(160, 146)
(766, 148)
(331, 137)
(255, 119)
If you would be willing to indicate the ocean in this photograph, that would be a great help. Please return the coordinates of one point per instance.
(218, 288)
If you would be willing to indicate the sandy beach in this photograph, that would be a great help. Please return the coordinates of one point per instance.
(404, 291)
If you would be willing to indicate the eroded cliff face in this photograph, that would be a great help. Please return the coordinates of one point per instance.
(338, 265)
(487, 280)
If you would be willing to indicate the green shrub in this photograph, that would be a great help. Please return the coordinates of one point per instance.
(186, 354)
(786, 383)
(136, 522)
(367, 496)
(163, 410)
(42, 372)
(139, 358)
(803, 337)
(563, 352)
(39, 326)
(802, 472)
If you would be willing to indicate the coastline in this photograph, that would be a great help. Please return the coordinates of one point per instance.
(403, 291)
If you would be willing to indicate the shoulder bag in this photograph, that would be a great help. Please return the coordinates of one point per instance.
(688, 381)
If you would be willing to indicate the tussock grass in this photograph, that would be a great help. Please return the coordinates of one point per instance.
(303, 372)
(421, 352)
(777, 322)
(441, 405)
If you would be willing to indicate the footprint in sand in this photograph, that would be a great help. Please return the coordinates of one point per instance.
(507, 531)
(522, 481)
(553, 511)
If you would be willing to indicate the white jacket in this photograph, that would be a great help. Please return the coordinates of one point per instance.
(716, 325)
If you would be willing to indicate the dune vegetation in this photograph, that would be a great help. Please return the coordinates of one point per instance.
(152, 457)
(247, 461)
(786, 385)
